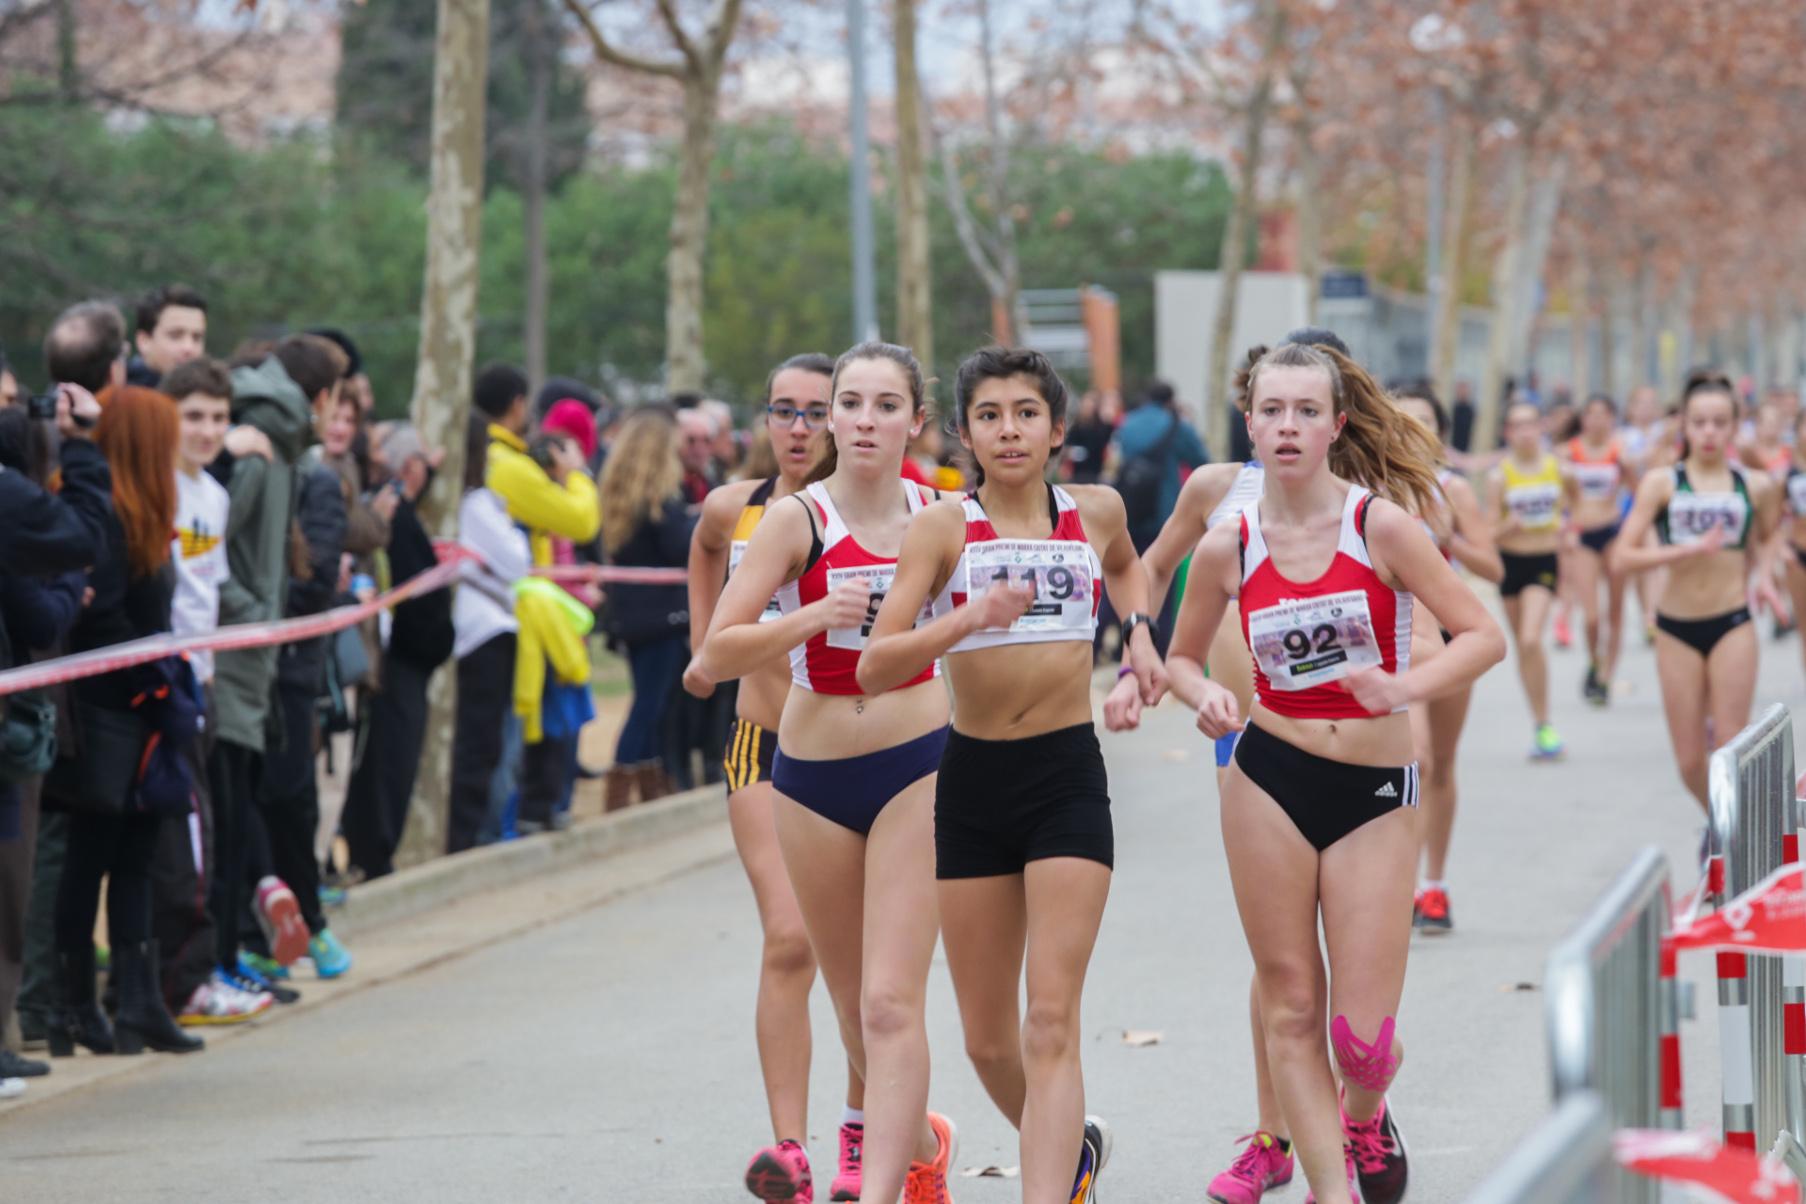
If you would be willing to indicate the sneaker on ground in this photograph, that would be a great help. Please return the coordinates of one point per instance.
(1264, 1164)
(1548, 746)
(219, 1001)
(12, 1066)
(332, 896)
(1433, 915)
(852, 1153)
(1354, 1182)
(926, 1182)
(248, 979)
(781, 1172)
(330, 957)
(1094, 1152)
(1380, 1158)
(12, 1088)
(269, 967)
(1564, 634)
(279, 915)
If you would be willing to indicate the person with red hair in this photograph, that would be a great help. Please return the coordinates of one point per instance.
(114, 820)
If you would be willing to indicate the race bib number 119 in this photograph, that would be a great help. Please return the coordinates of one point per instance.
(1058, 571)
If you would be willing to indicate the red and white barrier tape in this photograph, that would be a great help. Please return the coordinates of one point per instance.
(283, 631)
(1720, 1172)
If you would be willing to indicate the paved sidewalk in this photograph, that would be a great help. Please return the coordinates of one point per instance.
(608, 1054)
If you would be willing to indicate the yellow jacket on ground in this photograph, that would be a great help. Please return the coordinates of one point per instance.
(552, 628)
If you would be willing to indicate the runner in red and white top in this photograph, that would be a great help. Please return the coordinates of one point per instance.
(1317, 809)
(1595, 462)
(1023, 839)
(854, 772)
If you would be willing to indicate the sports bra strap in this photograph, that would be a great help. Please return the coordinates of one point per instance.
(762, 494)
(816, 550)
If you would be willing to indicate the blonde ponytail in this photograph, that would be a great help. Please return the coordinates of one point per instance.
(1379, 447)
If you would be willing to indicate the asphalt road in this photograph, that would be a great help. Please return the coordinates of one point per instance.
(609, 1055)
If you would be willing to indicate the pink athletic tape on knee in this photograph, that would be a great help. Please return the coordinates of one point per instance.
(1369, 1067)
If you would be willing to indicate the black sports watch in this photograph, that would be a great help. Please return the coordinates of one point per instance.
(1133, 620)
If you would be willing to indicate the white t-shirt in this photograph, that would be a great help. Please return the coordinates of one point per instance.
(199, 553)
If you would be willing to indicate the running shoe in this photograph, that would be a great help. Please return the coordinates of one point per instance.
(12, 1088)
(1380, 1158)
(1564, 635)
(329, 956)
(927, 1181)
(852, 1149)
(1433, 916)
(279, 915)
(12, 1066)
(248, 979)
(1093, 1154)
(781, 1172)
(268, 967)
(1354, 1182)
(1548, 746)
(1265, 1164)
(219, 1001)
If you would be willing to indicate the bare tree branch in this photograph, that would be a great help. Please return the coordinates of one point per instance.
(667, 11)
(608, 52)
(963, 222)
(722, 23)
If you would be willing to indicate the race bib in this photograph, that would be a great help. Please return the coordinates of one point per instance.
(879, 577)
(1309, 641)
(1058, 571)
(736, 551)
(1534, 506)
(1692, 515)
(1796, 494)
(1598, 482)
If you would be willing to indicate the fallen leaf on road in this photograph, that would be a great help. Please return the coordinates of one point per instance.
(1139, 1038)
(991, 1172)
(1176, 755)
(1511, 987)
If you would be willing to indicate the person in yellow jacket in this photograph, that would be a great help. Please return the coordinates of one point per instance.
(559, 502)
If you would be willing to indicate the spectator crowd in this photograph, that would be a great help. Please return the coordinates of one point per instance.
(152, 488)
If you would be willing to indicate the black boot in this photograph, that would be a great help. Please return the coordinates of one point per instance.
(77, 1019)
(143, 1019)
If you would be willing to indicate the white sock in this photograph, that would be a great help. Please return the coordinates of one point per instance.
(1437, 884)
(853, 1116)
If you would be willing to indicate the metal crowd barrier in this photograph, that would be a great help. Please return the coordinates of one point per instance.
(1604, 990)
(1761, 999)
(1567, 1159)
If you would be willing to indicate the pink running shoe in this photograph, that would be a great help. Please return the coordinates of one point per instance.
(852, 1144)
(1264, 1164)
(1354, 1180)
(781, 1172)
(926, 1182)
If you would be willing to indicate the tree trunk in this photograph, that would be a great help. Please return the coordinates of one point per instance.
(1642, 371)
(685, 366)
(533, 190)
(1444, 355)
(448, 341)
(1242, 216)
(915, 298)
(1532, 202)
(1310, 220)
(1580, 320)
(68, 60)
(1606, 296)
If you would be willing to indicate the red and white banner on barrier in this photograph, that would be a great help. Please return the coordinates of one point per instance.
(1716, 1172)
(283, 631)
(1769, 917)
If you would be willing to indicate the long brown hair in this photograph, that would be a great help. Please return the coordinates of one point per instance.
(1394, 458)
(904, 358)
(642, 472)
(138, 434)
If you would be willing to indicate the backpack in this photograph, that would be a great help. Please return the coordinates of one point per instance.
(1141, 476)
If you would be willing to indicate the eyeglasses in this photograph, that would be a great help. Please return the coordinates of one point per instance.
(814, 417)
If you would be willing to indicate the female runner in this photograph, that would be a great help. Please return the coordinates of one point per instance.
(1527, 494)
(796, 411)
(1461, 531)
(1794, 485)
(854, 772)
(1325, 574)
(1595, 463)
(1023, 839)
(1712, 520)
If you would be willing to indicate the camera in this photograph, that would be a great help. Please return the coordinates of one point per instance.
(41, 407)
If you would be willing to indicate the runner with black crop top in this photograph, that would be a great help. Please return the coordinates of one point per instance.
(854, 772)
(1318, 815)
(1713, 521)
(1023, 839)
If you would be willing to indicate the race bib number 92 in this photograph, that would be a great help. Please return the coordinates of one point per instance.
(1307, 642)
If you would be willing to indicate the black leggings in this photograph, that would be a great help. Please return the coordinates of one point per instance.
(117, 848)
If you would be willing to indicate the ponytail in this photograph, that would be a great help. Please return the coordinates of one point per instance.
(1377, 449)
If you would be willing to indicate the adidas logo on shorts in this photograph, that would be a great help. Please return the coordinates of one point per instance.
(1386, 791)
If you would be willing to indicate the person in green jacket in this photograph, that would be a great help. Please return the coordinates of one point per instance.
(287, 396)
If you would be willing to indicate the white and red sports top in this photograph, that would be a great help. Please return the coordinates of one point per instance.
(1063, 570)
(1307, 636)
(826, 662)
(1600, 479)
